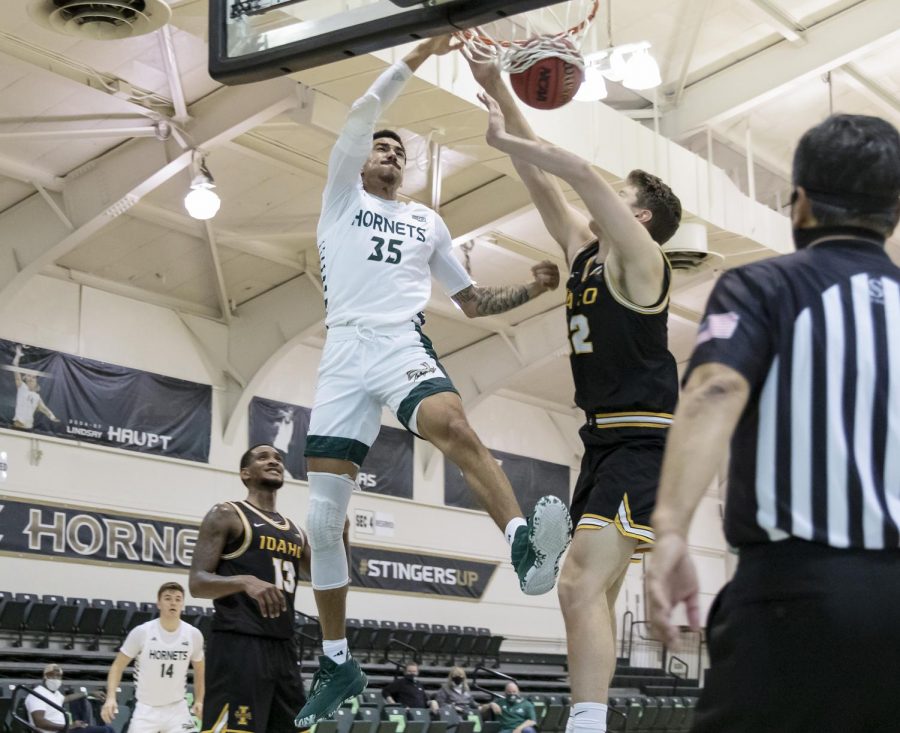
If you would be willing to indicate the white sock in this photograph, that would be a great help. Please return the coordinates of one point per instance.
(511, 528)
(336, 650)
(587, 716)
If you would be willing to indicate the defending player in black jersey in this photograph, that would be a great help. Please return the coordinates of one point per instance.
(625, 377)
(248, 558)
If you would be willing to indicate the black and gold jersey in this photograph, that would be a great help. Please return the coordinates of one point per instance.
(270, 550)
(624, 374)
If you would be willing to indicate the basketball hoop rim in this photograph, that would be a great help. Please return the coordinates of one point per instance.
(471, 34)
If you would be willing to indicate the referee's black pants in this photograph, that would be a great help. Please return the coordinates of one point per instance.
(805, 639)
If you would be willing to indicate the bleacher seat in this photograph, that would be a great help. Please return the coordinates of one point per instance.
(382, 636)
(467, 640)
(192, 614)
(648, 717)
(676, 721)
(480, 645)
(365, 635)
(419, 634)
(617, 712)
(634, 714)
(344, 719)
(373, 699)
(352, 626)
(434, 642)
(493, 649)
(140, 614)
(12, 615)
(663, 714)
(552, 716)
(366, 721)
(418, 720)
(114, 619)
(38, 617)
(404, 632)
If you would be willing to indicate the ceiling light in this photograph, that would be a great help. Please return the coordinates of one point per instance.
(593, 88)
(642, 71)
(202, 202)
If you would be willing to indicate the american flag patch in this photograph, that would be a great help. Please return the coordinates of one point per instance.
(717, 326)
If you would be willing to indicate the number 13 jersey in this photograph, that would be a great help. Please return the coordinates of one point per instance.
(620, 357)
(269, 550)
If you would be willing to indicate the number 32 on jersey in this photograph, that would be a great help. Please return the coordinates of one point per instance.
(579, 327)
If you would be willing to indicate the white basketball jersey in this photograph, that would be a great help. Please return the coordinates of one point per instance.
(377, 256)
(26, 405)
(162, 659)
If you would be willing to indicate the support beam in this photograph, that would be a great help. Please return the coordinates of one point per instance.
(32, 237)
(285, 250)
(221, 290)
(789, 29)
(167, 50)
(873, 92)
(130, 291)
(766, 75)
(30, 173)
(484, 208)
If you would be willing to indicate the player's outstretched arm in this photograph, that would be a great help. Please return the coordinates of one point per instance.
(219, 525)
(489, 301)
(110, 709)
(15, 362)
(355, 140)
(630, 243)
(568, 227)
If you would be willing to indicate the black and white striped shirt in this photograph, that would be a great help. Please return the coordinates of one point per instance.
(816, 454)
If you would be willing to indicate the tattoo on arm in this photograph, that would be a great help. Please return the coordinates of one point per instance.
(493, 300)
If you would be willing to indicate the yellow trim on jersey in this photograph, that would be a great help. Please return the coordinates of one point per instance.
(222, 720)
(601, 415)
(628, 514)
(248, 534)
(622, 300)
(597, 516)
(286, 523)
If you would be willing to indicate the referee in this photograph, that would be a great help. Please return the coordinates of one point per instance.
(798, 363)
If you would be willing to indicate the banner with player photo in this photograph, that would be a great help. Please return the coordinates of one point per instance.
(51, 393)
(388, 468)
(530, 478)
(409, 572)
(63, 531)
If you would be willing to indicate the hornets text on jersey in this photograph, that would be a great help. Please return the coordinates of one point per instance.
(624, 374)
(269, 550)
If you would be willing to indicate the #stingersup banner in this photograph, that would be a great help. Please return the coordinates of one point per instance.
(51, 393)
(530, 478)
(388, 468)
(409, 572)
(61, 531)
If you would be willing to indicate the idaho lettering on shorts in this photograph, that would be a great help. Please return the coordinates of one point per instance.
(280, 546)
(384, 224)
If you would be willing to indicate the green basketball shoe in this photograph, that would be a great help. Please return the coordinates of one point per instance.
(537, 547)
(331, 685)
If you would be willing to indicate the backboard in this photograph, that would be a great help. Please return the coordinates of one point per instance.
(251, 40)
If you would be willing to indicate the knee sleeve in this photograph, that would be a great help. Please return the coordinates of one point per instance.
(329, 497)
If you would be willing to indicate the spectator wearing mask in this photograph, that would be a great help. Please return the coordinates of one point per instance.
(517, 715)
(46, 717)
(407, 691)
(455, 693)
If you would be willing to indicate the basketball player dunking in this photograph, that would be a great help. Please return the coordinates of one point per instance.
(247, 559)
(625, 377)
(377, 256)
(163, 648)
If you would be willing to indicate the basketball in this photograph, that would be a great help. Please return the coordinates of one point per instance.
(548, 84)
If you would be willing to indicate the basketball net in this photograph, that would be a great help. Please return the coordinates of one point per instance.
(517, 43)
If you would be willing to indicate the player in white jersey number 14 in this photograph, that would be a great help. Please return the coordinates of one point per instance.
(163, 648)
(378, 255)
